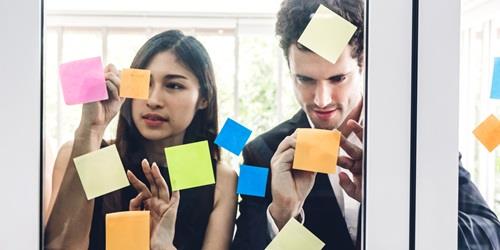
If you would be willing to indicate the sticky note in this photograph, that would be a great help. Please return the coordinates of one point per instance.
(252, 180)
(294, 236)
(83, 81)
(189, 165)
(495, 85)
(135, 83)
(233, 136)
(127, 230)
(488, 132)
(317, 150)
(101, 172)
(327, 34)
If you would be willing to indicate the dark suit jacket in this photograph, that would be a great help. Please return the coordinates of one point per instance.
(478, 227)
(323, 216)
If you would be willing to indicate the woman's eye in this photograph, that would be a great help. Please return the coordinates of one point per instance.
(174, 85)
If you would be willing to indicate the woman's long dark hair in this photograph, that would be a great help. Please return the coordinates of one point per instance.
(204, 126)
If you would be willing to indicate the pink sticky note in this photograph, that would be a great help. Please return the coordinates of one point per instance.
(83, 81)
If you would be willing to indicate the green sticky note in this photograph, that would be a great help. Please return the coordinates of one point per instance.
(327, 34)
(189, 165)
(294, 236)
(101, 172)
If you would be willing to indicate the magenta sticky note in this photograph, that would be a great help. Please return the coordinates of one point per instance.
(83, 81)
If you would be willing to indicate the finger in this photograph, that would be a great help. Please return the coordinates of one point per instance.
(147, 172)
(352, 150)
(138, 185)
(345, 162)
(347, 184)
(175, 199)
(160, 183)
(135, 203)
(112, 90)
(113, 78)
(111, 68)
(353, 166)
(283, 162)
(289, 142)
(356, 128)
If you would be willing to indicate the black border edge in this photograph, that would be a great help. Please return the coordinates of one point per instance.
(41, 151)
(413, 136)
(365, 125)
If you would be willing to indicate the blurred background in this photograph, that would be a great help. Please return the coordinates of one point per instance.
(253, 82)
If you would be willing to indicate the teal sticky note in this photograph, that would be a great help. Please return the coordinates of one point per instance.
(495, 84)
(189, 165)
(252, 180)
(233, 136)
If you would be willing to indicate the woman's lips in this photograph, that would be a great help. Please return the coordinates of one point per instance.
(324, 114)
(154, 120)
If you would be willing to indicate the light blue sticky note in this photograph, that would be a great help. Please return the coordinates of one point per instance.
(252, 180)
(233, 136)
(495, 85)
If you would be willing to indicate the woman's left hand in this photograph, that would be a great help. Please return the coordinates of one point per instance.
(157, 200)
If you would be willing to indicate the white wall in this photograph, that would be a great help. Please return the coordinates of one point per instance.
(437, 128)
(388, 125)
(20, 46)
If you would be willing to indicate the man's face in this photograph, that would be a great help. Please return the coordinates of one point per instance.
(326, 92)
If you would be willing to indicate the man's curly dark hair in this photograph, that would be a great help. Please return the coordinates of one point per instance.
(294, 15)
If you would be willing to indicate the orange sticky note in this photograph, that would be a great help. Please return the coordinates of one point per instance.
(135, 83)
(488, 132)
(127, 230)
(317, 150)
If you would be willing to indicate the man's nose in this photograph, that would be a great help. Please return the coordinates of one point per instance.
(322, 95)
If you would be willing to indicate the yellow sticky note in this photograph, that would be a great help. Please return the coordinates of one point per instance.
(101, 172)
(190, 165)
(127, 230)
(294, 236)
(488, 132)
(135, 83)
(327, 34)
(317, 150)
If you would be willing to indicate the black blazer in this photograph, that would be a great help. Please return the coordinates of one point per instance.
(478, 226)
(323, 216)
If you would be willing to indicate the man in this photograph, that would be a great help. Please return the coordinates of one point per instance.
(330, 96)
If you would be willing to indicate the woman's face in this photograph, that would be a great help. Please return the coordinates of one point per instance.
(173, 100)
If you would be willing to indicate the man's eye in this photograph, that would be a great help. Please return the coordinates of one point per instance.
(304, 80)
(337, 79)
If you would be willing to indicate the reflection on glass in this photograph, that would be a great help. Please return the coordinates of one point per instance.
(272, 86)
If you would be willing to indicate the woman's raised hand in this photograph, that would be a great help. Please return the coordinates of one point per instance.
(97, 115)
(156, 199)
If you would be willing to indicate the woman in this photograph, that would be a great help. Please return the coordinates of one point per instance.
(182, 108)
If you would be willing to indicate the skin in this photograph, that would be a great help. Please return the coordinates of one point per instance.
(174, 95)
(331, 96)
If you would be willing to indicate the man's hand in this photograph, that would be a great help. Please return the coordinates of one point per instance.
(289, 187)
(352, 162)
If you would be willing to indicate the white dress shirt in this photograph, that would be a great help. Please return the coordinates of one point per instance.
(348, 206)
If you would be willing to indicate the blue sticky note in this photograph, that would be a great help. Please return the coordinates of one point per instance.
(495, 85)
(233, 136)
(252, 180)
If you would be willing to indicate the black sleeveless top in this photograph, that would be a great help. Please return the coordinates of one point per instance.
(194, 209)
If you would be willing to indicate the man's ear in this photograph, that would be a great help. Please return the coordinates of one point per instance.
(202, 104)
